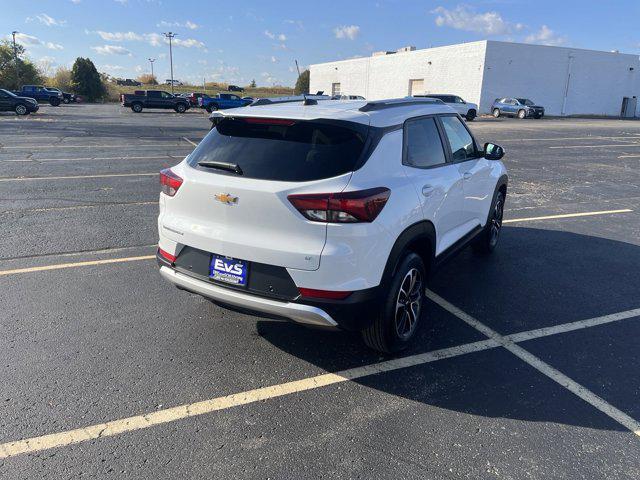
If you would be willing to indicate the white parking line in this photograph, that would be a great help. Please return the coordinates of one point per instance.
(629, 156)
(70, 177)
(544, 368)
(159, 417)
(60, 266)
(37, 160)
(621, 137)
(568, 215)
(80, 207)
(598, 146)
(127, 146)
(189, 141)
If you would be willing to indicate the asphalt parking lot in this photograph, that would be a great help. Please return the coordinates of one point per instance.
(527, 366)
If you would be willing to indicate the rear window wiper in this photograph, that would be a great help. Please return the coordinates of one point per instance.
(230, 167)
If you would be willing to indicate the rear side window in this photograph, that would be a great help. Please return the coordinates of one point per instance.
(423, 147)
(460, 140)
(284, 150)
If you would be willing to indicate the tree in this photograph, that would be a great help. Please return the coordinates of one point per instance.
(86, 81)
(28, 73)
(147, 79)
(252, 84)
(302, 85)
(62, 79)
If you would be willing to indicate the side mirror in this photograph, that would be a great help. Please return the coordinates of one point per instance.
(493, 151)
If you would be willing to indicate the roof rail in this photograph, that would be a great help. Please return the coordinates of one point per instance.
(290, 99)
(398, 102)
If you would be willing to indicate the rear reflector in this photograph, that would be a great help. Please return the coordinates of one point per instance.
(166, 255)
(327, 294)
(169, 182)
(344, 207)
(269, 121)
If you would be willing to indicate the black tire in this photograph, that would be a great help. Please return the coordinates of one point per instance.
(66, 100)
(471, 114)
(212, 108)
(399, 318)
(522, 114)
(488, 239)
(181, 108)
(496, 112)
(136, 107)
(21, 110)
(54, 101)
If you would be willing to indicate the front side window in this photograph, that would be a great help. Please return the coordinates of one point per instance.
(166, 95)
(459, 100)
(423, 144)
(460, 140)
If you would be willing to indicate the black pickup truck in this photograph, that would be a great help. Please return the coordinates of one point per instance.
(155, 99)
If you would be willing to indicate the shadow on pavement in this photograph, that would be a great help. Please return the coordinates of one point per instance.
(536, 278)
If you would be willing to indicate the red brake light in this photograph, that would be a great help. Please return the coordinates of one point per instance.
(269, 121)
(167, 255)
(344, 207)
(169, 182)
(327, 294)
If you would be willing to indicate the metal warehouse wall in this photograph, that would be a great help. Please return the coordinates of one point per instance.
(594, 82)
(455, 69)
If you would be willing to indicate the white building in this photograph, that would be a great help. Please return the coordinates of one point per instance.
(566, 81)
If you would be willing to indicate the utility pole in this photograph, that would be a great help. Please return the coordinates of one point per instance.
(15, 56)
(151, 60)
(170, 36)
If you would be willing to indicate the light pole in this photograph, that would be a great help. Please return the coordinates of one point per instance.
(170, 36)
(15, 56)
(151, 60)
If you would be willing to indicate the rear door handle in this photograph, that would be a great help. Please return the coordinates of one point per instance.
(467, 175)
(427, 190)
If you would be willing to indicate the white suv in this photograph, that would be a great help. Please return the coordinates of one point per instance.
(466, 109)
(329, 213)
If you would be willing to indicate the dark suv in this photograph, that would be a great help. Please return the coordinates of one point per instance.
(10, 102)
(516, 107)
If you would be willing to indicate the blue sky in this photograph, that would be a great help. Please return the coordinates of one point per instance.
(236, 42)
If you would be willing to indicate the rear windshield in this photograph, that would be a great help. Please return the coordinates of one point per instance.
(294, 151)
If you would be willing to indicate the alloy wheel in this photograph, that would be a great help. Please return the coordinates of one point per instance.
(496, 221)
(408, 304)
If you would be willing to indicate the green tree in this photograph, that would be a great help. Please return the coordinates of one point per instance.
(27, 73)
(253, 84)
(62, 79)
(86, 80)
(302, 85)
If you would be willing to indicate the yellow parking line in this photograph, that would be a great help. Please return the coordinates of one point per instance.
(71, 177)
(75, 264)
(568, 215)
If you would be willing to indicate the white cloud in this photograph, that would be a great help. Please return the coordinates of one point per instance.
(546, 36)
(119, 36)
(188, 24)
(274, 59)
(111, 50)
(111, 67)
(122, 2)
(27, 39)
(188, 43)
(465, 18)
(47, 20)
(272, 36)
(347, 32)
(76, 2)
(53, 46)
(281, 37)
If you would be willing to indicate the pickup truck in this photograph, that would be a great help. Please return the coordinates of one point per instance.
(66, 97)
(154, 99)
(222, 101)
(40, 94)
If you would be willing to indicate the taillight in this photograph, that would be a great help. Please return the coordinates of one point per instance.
(344, 207)
(169, 182)
(167, 256)
(326, 294)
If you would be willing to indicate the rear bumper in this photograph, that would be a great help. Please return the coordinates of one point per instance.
(300, 313)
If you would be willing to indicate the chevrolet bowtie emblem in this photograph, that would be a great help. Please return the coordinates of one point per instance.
(226, 198)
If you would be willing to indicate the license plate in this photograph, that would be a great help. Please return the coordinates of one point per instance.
(228, 270)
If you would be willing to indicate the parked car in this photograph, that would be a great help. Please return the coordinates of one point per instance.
(234, 88)
(10, 102)
(40, 94)
(155, 99)
(516, 107)
(176, 83)
(347, 97)
(465, 109)
(66, 97)
(193, 97)
(286, 209)
(128, 82)
(222, 101)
